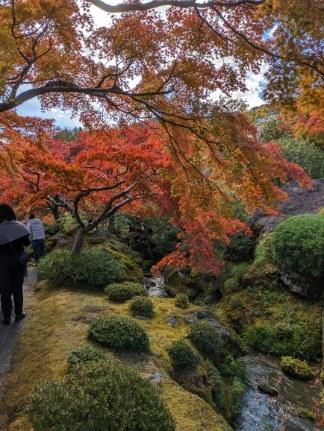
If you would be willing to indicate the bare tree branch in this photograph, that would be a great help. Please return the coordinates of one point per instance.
(153, 4)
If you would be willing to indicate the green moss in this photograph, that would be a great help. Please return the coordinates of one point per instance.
(130, 259)
(231, 284)
(271, 320)
(58, 323)
(296, 368)
(263, 266)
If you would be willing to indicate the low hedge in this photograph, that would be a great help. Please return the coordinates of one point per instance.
(183, 356)
(90, 267)
(141, 306)
(101, 396)
(121, 292)
(119, 333)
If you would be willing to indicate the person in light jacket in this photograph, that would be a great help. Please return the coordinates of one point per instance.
(37, 236)
(13, 259)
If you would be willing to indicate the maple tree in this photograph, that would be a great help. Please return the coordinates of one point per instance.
(160, 68)
(177, 54)
(134, 169)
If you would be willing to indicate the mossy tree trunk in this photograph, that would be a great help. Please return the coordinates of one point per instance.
(78, 241)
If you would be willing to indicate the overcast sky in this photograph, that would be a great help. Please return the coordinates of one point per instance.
(63, 118)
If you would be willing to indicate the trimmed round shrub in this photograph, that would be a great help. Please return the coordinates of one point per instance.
(99, 397)
(183, 357)
(89, 267)
(296, 368)
(121, 292)
(298, 245)
(84, 354)
(231, 285)
(206, 339)
(182, 300)
(119, 333)
(142, 306)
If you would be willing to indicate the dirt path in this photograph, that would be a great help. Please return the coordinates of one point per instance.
(9, 335)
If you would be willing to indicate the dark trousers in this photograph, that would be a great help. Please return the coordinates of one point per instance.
(11, 285)
(39, 248)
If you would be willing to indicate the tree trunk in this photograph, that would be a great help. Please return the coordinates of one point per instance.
(78, 241)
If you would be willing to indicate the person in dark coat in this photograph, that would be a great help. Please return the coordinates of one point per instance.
(13, 259)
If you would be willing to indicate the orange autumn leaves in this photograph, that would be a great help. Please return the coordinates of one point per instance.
(194, 183)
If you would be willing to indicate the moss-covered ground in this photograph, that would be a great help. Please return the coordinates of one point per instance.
(58, 323)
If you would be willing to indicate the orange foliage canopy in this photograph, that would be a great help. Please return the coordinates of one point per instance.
(134, 169)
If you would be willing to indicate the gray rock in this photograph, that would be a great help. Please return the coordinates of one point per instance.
(156, 378)
(266, 388)
(299, 201)
(299, 285)
(172, 321)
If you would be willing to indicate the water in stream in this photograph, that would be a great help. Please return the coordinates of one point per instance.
(262, 412)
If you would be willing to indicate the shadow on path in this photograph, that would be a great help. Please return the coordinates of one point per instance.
(10, 334)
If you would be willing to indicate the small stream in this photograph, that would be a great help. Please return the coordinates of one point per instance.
(262, 412)
(155, 286)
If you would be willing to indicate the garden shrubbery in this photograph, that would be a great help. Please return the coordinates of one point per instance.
(83, 355)
(182, 300)
(119, 333)
(297, 339)
(298, 245)
(99, 396)
(206, 339)
(121, 292)
(306, 153)
(240, 248)
(89, 267)
(142, 306)
(183, 356)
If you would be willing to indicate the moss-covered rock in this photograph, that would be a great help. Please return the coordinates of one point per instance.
(296, 368)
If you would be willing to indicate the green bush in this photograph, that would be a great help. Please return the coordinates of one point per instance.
(119, 333)
(231, 285)
(52, 229)
(206, 339)
(296, 368)
(99, 397)
(90, 267)
(297, 339)
(121, 292)
(298, 245)
(83, 355)
(182, 300)
(142, 306)
(240, 248)
(306, 153)
(183, 356)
